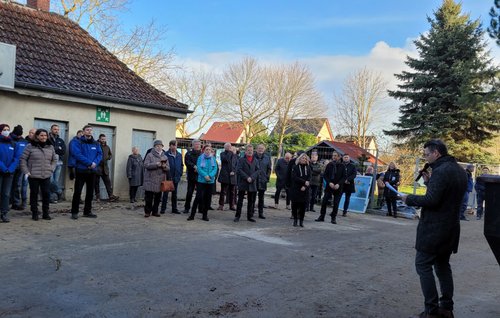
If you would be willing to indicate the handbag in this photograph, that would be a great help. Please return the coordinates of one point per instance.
(167, 185)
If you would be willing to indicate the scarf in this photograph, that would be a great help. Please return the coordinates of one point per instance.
(204, 160)
(249, 159)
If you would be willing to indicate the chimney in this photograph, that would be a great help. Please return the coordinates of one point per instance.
(43, 5)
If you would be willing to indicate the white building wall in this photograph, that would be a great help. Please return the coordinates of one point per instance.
(23, 109)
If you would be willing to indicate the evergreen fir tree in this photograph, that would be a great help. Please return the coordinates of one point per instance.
(452, 92)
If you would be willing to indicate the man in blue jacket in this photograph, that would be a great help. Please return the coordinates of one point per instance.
(176, 168)
(86, 154)
(9, 160)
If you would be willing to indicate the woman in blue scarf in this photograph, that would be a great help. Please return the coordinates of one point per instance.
(207, 170)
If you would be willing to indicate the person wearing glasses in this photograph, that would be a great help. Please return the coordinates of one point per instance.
(438, 230)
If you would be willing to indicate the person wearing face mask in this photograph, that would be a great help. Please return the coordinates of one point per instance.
(38, 161)
(156, 170)
(9, 160)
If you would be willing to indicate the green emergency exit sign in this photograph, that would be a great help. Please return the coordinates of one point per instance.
(103, 114)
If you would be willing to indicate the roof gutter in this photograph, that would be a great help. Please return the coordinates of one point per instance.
(100, 97)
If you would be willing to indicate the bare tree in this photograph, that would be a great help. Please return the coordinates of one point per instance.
(293, 94)
(201, 91)
(357, 106)
(246, 97)
(140, 48)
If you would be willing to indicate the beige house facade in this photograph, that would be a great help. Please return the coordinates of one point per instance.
(58, 74)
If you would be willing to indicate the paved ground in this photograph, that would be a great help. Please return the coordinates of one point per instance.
(123, 265)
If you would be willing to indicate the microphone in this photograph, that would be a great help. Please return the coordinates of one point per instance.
(426, 166)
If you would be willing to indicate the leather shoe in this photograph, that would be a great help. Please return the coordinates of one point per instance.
(425, 315)
(156, 214)
(90, 215)
(190, 218)
(176, 212)
(334, 221)
(74, 216)
(250, 220)
(262, 217)
(236, 219)
(205, 219)
(446, 313)
(320, 220)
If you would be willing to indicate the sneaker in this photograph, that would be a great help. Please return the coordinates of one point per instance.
(276, 206)
(463, 218)
(478, 217)
(4, 218)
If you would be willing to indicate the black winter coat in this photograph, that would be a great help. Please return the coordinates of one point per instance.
(350, 175)
(315, 173)
(227, 167)
(281, 169)
(393, 177)
(190, 160)
(300, 174)
(246, 170)
(334, 173)
(438, 230)
(264, 167)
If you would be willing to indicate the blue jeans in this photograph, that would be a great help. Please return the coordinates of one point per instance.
(480, 202)
(164, 200)
(465, 202)
(55, 178)
(16, 190)
(5, 188)
(424, 263)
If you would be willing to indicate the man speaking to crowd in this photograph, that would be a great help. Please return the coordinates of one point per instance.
(438, 230)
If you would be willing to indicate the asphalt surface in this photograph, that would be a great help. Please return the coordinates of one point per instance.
(124, 265)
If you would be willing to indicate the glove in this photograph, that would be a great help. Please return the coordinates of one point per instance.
(71, 173)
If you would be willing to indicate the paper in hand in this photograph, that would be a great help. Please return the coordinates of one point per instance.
(387, 184)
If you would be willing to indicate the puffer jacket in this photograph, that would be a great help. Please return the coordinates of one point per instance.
(9, 155)
(39, 160)
(153, 174)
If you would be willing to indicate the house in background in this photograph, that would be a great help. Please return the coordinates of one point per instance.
(370, 143)
(319, 127)
(326, 148)
(228, 131)
(53, 71)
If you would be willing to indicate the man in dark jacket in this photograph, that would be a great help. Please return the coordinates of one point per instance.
(438, 230)
(264, 168)
(103, 172)
(281, 169)
(247, 183)
(226, 174)
(350, 175)
(18, 193)
(334, 177)
(86, 155)
(190, 160)
(60, 148)
(176, 169)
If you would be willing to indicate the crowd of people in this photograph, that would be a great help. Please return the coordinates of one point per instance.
(37, 160)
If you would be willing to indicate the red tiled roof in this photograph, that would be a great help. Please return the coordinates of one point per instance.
(224, 132)
(352, 150)
(54, 54)
(306, 125)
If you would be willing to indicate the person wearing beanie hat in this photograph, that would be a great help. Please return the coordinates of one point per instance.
(18, 193)
(9, 160)
(157, 142)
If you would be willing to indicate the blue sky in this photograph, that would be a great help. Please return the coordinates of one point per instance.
(293, 28)
(334, 38)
